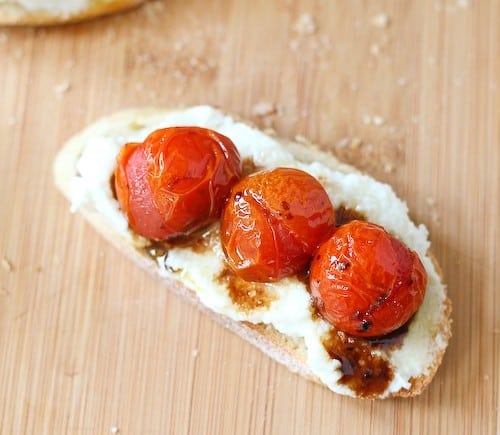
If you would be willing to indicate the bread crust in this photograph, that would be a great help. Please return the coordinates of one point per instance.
(12, 13)
(287, 351)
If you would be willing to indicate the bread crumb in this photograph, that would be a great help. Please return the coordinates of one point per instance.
(195, 353)
(373, 120)
(294, 44)
(193, 61)
(62, 87)
(152, 11)
(435, 217)
(367, 119)
(301, 139)
(343, 143)
(375, 49)
(144, 57)
(356, 142)
(402, 81)
(388, 167)
(263, 109)
(306, 25)
(431, 202)
(381, 20)
(114, 429)
(252, 293)
(7, 264)
(347, 142)
(464, 4)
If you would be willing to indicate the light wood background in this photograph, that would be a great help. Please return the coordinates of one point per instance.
(89, 344)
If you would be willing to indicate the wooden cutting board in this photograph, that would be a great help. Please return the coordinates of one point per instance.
(408, 91)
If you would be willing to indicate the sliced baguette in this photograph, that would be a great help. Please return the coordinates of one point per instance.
(18, 12)
(434, 324)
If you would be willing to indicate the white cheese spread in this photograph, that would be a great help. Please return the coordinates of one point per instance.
(290, 310)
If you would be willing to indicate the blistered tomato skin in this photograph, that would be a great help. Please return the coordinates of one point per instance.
(366, 282)
(177, 181)
(273, 222)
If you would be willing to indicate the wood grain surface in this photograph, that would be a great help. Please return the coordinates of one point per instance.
(408, 91)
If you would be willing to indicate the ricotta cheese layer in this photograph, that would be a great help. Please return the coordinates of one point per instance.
(289, 311)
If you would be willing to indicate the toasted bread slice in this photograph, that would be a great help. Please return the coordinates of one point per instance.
(278, 318)
(48, 12)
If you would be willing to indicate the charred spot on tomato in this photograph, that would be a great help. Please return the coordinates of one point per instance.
(382, 298)
(365, 325)
(341, 265)
(368, 282)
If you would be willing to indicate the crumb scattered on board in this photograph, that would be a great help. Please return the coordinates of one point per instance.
(264, 108)
(349, 142)
(7, 264)
(373, 120)
(381, 20)
(195, 353)
(402, 81)
(114, 429)
(62, 88)
(431, 203)
(375, 49)
(388, 167)
(306, 25)
(463, 3)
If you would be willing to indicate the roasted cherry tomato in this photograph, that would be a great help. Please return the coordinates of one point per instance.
(176, 181)
(273, 222)
(366, 282)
